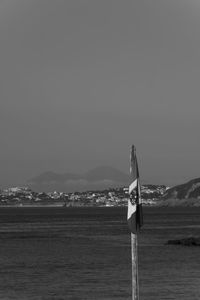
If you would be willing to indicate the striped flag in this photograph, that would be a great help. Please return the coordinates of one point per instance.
(134, 216)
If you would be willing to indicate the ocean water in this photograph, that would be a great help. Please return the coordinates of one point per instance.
(85, 253)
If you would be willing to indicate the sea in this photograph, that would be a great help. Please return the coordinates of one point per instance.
(57, 253)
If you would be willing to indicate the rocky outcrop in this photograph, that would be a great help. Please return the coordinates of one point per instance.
(190, 241)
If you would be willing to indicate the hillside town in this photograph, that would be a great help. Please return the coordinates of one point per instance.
(24, 196)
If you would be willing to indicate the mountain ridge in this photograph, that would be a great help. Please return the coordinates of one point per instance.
(190, 189)
(98, 178)
(186, 194)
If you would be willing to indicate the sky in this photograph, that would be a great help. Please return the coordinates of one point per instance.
(82, 80)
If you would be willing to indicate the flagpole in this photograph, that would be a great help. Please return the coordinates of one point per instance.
(135, 219)
(134, 258)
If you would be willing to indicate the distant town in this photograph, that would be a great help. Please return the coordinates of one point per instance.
(24, 196)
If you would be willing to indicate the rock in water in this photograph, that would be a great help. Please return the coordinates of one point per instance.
(190, 241)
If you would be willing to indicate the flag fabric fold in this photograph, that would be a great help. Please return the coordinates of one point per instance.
(134, 215)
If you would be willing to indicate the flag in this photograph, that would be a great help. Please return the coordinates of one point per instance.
(134, 216)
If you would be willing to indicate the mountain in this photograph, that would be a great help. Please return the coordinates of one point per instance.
(102, 177)
(188, 190)
(187, 194)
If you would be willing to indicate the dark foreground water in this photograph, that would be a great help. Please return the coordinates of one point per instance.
(84, 253)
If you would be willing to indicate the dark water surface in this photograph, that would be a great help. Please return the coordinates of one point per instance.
(84, 253)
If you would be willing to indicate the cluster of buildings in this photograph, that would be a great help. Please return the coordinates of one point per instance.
(24, 196)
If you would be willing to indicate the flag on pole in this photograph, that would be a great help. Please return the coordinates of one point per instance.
(134, 216)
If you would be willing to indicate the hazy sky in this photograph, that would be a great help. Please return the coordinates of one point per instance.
(81, 80)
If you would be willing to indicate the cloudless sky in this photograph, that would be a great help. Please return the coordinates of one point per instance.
(81, 80)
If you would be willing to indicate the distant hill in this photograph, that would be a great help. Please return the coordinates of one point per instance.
(187, 194)
(99, 178)
(190, 189)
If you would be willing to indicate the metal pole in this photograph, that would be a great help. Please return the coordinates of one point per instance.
(134, 255)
